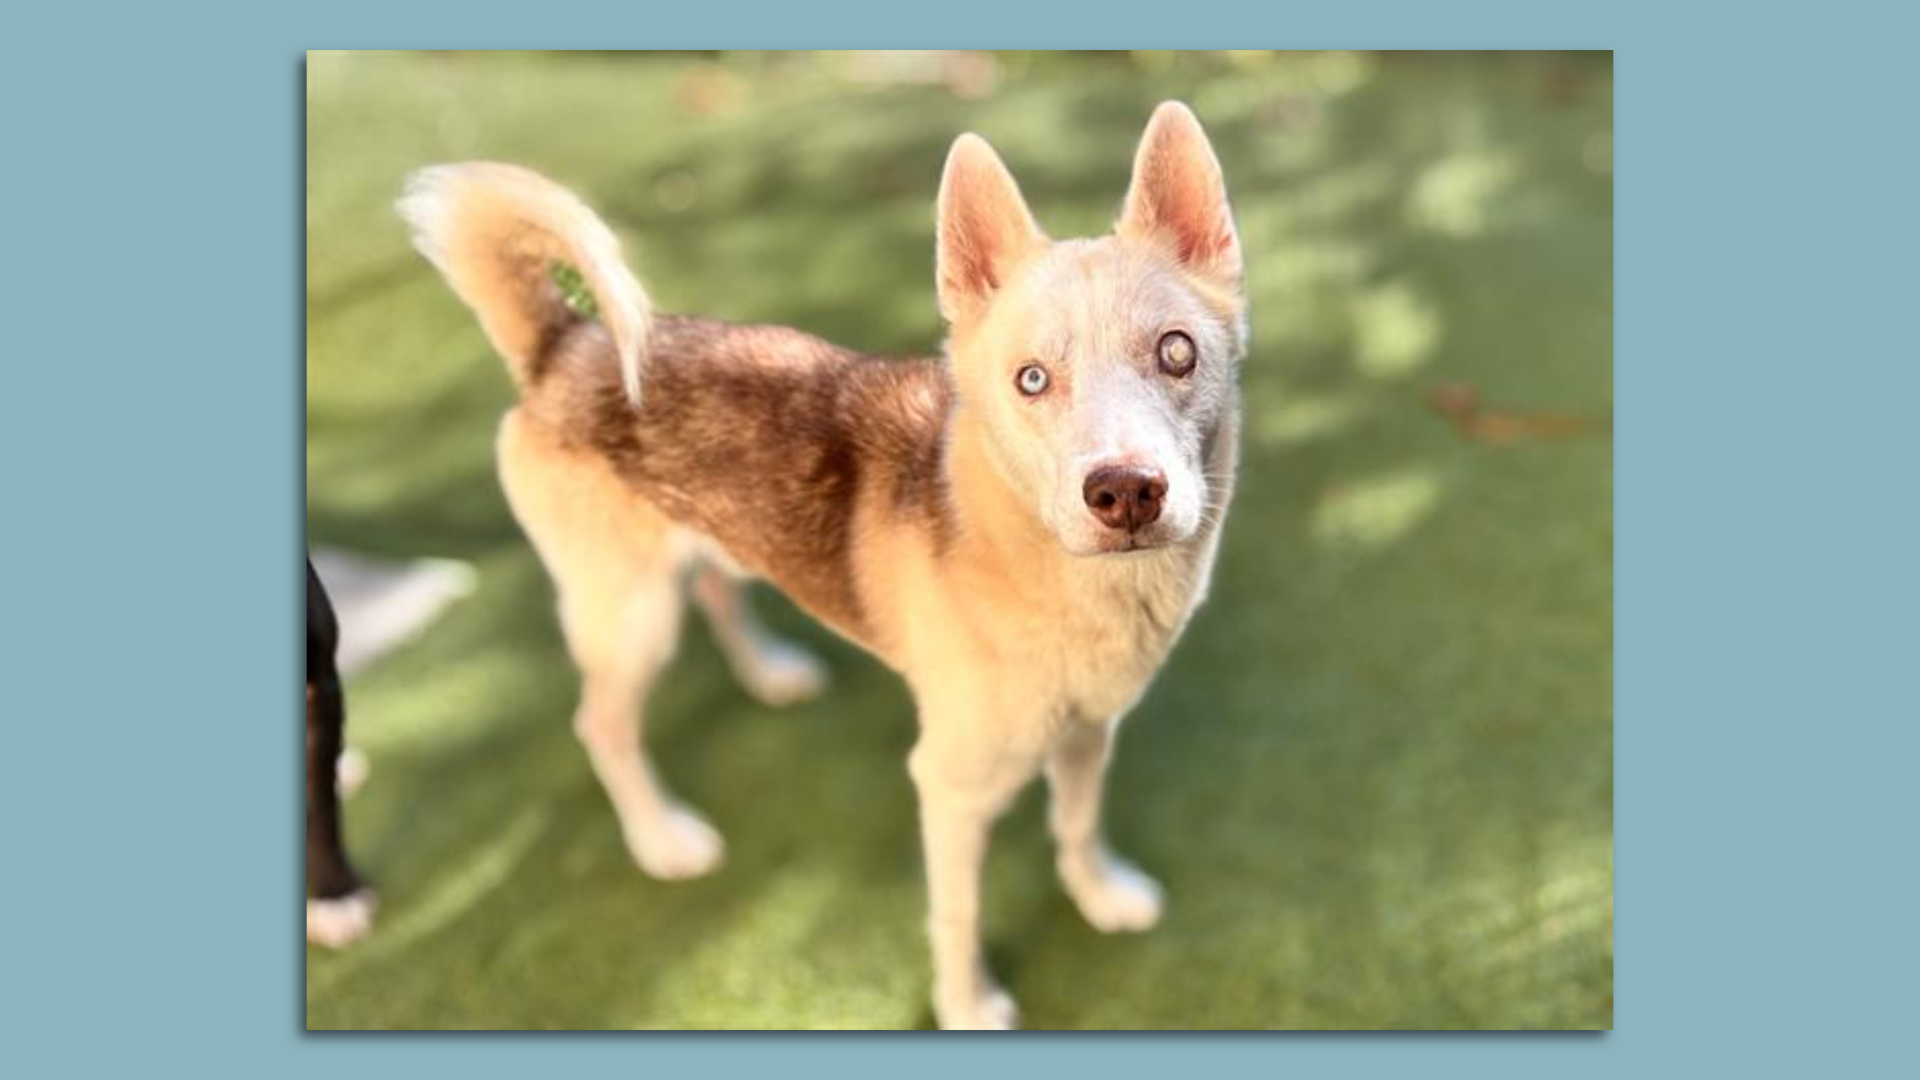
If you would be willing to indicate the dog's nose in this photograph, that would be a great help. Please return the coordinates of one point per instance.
(1125, 496)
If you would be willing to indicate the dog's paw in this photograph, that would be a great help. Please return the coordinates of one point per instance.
(680, 845)
(342, 920)
(786, 674)
(988, 1009)
(350, 771)
(1118, 897)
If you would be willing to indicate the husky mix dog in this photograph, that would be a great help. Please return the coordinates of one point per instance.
(1021, 527)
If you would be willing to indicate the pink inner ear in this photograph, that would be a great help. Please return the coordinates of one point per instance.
(981, 244)
(1178, 195)
(1180, 199)
(976, 244)
(985, 228)
(1198, 233)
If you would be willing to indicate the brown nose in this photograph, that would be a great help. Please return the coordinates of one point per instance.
(1125, 496)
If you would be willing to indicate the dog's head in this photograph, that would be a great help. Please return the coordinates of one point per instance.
(1099, 371)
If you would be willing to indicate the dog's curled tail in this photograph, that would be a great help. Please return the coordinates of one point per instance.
(497, 233)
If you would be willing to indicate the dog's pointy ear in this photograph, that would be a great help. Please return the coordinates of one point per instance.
(985, 229)
(1179, 198)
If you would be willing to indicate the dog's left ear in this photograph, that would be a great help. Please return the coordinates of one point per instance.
(1179, 198)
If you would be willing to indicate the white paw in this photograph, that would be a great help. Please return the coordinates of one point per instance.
(350, 771)
(990, 1009)
(786, 675)
(342, 920)
(678, 846)
(1116, 898)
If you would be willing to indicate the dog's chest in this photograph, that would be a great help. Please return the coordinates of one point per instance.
(1117, 636)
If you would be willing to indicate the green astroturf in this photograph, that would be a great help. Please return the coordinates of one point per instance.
(1376, 776)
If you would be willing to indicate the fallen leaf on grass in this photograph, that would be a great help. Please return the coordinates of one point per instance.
(1478, 422)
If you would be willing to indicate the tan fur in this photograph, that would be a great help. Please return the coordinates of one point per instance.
(496, 232)
(927, 510)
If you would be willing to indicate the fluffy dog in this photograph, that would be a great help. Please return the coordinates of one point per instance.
(1021, 528)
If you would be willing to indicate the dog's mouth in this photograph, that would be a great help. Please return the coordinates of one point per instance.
(1130, 543)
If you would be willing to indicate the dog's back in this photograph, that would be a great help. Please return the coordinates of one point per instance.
(774, 443)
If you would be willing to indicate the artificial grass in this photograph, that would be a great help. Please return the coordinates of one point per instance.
(1375, 778)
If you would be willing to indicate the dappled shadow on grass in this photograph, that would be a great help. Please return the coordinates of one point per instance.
(483, 785)
(1376, 777)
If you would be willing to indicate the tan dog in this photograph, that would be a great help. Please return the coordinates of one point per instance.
(1021, 529)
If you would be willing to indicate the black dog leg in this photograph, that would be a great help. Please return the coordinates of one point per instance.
(329, 874)
(339, 907)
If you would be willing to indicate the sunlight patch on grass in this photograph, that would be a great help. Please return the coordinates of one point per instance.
(1456, 195)
(465, 705)
(1303, 418)
(1575, 905)
(1497, 927)
(724, 976)
(1395, 330)
(1372, 514)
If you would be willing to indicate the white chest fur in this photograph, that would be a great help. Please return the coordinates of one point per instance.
(1129, 614)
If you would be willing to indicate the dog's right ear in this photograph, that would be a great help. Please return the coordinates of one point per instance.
(1179, 199)
(985, 229)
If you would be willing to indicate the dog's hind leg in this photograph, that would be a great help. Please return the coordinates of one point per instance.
(776, 671)
(621, 642)
(617, 565)
(1111, 893)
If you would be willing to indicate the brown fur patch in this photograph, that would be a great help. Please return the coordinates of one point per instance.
(776, 444)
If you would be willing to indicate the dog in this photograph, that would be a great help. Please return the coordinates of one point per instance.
(1021, 528)
(340, 906)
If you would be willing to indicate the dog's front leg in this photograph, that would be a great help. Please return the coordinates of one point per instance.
(1113, 894)
(962, 791)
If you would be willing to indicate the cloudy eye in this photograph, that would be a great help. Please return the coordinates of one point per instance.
(1177, 354)
(1031, 380)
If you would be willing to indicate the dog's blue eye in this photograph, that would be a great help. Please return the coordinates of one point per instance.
(1031, 380)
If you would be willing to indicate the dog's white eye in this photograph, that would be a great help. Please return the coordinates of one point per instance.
(1177, 354)
(1031, 380)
